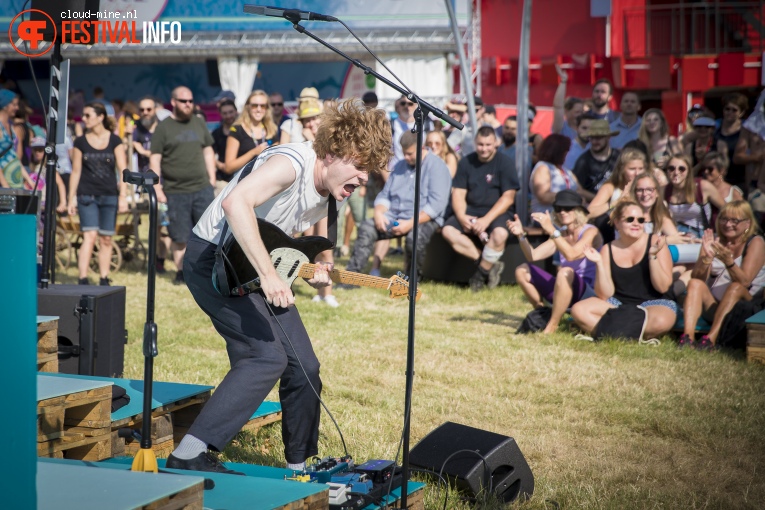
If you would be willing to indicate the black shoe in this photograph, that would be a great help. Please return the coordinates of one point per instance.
(83, 281)
(205, 461)
(105, 282)
(179, 278)
(477, 282)
(159, 266)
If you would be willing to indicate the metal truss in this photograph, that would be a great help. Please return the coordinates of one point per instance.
(268, 46)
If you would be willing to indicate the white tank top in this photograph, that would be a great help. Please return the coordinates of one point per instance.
(293, 210)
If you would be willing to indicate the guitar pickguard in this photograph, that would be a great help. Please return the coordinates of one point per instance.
(287, 262)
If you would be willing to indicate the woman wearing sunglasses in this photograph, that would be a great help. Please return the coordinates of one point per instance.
(729, 269)
(690, 200)
(576, 275)
(635, 269)
(95, 189)
(714, 168)
(252, 133)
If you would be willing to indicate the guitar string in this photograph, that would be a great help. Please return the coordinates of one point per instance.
(329, 413)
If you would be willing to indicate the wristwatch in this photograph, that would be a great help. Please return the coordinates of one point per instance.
(555, 235)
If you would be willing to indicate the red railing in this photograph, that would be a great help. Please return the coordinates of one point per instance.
(695, 29)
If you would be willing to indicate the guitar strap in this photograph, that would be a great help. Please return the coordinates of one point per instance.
(222, 264)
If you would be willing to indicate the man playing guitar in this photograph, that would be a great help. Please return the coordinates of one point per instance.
(290, 186)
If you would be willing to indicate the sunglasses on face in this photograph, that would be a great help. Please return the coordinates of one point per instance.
(277, 104)
(87, 115)
(633, 219)
(185, 101)
(147, 109)
(560, 209)
(406, 103)
(257, 105)
(734, 221)
(681, 169)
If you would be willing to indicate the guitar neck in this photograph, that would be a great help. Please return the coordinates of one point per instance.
(347, 277)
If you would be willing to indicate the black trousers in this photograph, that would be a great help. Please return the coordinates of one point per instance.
(261, 353)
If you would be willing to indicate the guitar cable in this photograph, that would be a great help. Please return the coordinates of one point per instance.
(329, 413)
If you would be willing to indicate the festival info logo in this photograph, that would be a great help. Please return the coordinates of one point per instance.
(29, 33)
(119, 25)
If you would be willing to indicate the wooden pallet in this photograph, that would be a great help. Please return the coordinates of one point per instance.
(76, 425)
(47, 344)
(755, 338)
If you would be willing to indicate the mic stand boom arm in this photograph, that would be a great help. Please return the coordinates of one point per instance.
(419, 115)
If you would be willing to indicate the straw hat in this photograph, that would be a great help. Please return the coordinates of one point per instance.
(601, 127)
(309, 107)
(309, 92)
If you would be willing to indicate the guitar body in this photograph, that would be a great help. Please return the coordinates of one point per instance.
(287, 254)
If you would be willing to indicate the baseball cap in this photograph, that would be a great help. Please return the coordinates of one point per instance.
(37, 141)
(224, 94)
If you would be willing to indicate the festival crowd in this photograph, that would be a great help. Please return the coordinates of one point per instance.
(613, 197)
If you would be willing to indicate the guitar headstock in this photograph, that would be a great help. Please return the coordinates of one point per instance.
(399, 287)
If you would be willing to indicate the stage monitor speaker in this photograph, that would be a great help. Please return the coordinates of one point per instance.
(91, 327)
(73, 10)
(454, 448)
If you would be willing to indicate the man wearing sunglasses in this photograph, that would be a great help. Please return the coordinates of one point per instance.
(182, 154)
(400, 125)
(144, 129)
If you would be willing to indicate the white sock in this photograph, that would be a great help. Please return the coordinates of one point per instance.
(296, 467)
(189, 448)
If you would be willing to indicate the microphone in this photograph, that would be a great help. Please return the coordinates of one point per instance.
(293, 15)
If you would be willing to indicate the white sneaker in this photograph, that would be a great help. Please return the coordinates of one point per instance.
(331, 301)
(317, 298)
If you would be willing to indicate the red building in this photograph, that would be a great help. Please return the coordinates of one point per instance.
(673, 53)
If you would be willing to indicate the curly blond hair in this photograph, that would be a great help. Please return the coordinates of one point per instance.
(351, 130)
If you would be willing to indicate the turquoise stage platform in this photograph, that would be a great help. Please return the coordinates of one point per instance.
(163, 394)
(236, 499)
(71, 485)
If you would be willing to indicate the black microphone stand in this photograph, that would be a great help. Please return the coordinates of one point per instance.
(423, 108)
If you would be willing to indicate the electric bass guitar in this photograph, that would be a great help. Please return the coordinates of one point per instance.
(292, 259)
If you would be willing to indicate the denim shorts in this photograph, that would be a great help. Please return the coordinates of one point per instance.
(98, 212)
(668, 303)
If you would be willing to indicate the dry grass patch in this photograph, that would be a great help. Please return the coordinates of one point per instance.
(607, 425)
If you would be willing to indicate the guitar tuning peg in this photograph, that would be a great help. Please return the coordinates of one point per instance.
(406, 278)
(400, 274)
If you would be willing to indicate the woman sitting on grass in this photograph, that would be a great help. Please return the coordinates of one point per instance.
(714, 168)
(690, 199)
(631, 163)
(635, 269)
(576, 274)
(645, 191)
(729, 269)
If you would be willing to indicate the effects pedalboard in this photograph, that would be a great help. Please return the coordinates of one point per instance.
(351, 487)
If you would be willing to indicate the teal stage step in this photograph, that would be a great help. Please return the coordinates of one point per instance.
(237, 500)
(71, 485)
(163, 394)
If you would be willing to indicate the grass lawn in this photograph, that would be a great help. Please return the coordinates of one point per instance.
(606, 425)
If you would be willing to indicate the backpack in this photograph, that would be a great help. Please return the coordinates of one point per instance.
(536, 320)
(626, 322)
